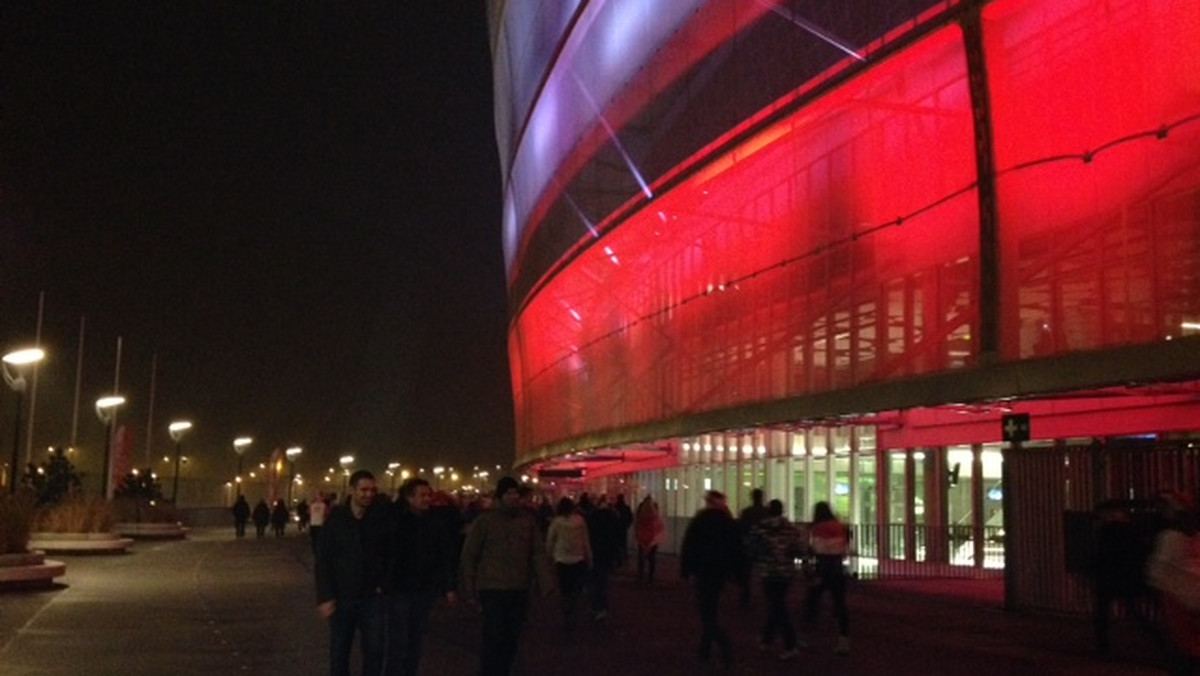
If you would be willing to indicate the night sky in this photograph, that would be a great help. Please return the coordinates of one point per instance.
(292, 208)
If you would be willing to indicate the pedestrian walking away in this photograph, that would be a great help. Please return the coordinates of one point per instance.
(567, 544)
(279, 518)
(774, 544)
(649, 532)
(830, 542)
(750, 516)
(262, 518)
(712, 555)
(351, 570)
(607, 535)
(241, 515)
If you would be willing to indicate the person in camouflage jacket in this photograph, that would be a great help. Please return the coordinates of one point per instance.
(775, 544)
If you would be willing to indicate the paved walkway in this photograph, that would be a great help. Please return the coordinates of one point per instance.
(212, 604)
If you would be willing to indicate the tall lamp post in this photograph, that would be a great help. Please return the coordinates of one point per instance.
(106, 410)
(292, 453)
(14, 374)
(177, 430)
(239, 447)
(346, 461)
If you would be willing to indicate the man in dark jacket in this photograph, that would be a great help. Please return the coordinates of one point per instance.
(423, 568)
(351, 568)
(605, 535)
(712, 554)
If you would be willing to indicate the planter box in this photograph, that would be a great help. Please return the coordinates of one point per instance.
(152, 531)
(28, 570)
(80, 543)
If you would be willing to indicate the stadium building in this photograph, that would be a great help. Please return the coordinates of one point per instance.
(934, 261)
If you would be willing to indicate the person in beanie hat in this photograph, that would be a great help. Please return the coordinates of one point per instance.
(502, 558)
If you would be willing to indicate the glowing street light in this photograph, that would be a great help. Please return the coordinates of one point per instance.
(346, 461)
(291, 454)
(239, 447)
(106, 411)
(15, 364)
(177, 430)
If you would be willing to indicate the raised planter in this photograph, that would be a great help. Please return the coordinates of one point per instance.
(80, 543)
(29, 570)
(152, 531)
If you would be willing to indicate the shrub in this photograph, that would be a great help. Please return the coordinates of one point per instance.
(77, 514)
(55, 479)
(16, 521)
(140, 485)
(134, 510)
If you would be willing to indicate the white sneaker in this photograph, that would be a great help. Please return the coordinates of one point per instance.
(843, 646)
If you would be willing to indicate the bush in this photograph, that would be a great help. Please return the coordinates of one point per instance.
(141, 485)
(54, 480)
(77, 514)
(135, 510)
(16, 521)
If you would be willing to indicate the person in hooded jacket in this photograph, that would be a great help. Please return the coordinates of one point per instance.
(504, 556)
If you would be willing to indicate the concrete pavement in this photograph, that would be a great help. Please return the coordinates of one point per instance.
(212, 604)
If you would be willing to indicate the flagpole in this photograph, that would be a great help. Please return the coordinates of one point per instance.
(150, 416)
(112, 424)
(37, 342)
(78, 382)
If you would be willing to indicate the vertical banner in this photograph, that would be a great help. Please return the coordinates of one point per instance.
(122, 455)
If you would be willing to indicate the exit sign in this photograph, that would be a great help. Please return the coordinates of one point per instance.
(1015, 427)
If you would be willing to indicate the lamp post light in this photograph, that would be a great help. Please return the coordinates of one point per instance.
(177, 430)
(106, 410)
(239, 447)
(14, 374)
(437, 476)
(291, 456)
(346, 461)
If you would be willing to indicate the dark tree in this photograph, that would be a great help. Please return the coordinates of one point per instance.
(54, 479)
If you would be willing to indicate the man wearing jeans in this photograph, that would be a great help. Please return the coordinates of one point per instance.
(502, 559)
(422, 571)
(351, 568)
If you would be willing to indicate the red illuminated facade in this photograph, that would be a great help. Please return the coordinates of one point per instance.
(824, 247)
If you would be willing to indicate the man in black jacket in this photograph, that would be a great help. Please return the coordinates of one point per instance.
(351, 569)
(712, 554)
(423, 569)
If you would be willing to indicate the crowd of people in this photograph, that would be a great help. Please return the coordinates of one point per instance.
(382, 565)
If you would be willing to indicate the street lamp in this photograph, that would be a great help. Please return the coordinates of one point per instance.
(437, 475)
(291, 456)
(177, 430)
(392, 470)
(239, 447)
(15, 377)
(106, 410)
(346, 461)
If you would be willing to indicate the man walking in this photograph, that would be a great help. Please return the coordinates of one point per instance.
(502, 558)
(351, 569)
(712, 554)
(422, 570)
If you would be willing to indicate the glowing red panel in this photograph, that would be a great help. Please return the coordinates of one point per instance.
(774, 271)
(1096, 109)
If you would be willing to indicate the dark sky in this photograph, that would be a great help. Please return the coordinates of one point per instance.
(293, 208)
